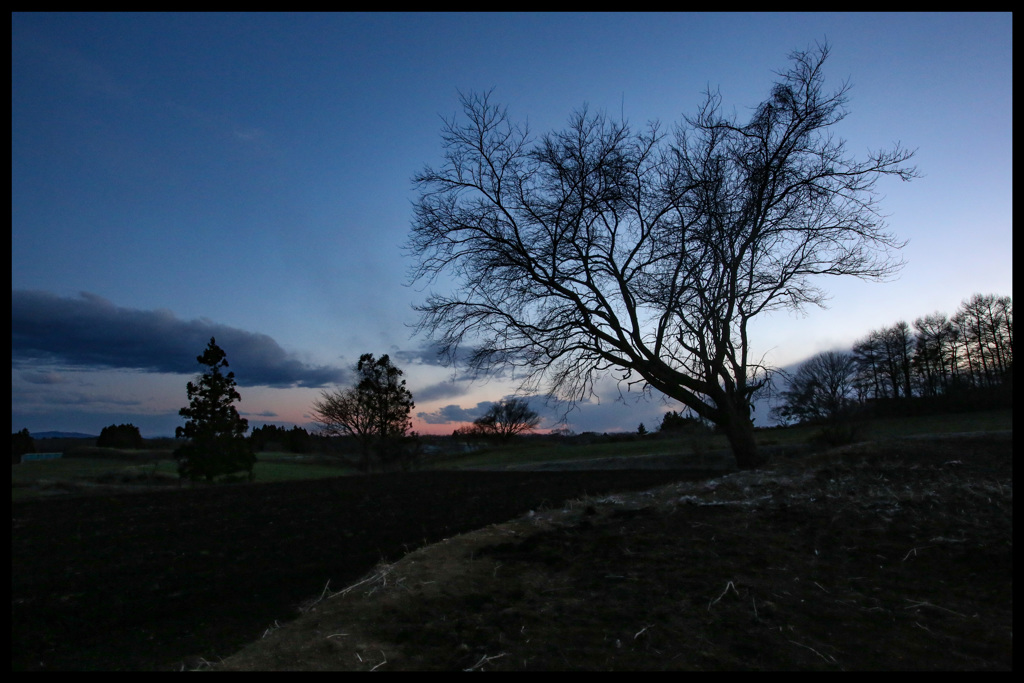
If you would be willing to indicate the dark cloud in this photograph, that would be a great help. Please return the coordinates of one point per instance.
(431, 354)
(426, 355)
(91, 332)
(440, 391)
(42, 378)
(453, 413)
(265, 413)
(586, 416)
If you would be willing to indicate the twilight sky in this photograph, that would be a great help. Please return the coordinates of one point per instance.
(177, 177)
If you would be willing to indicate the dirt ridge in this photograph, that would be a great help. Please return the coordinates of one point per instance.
(877, 556)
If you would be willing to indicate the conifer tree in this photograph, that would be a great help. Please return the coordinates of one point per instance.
(216, 433)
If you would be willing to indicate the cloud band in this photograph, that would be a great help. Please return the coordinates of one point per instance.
(90, 331)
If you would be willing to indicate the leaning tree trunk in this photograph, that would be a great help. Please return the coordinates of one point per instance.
(739, 429)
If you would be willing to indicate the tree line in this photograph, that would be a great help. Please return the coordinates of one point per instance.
(936, 362)
(937, 355)
(374, 412)
(273, 437)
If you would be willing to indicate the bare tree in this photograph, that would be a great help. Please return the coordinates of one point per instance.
(868, 354)
(985, 326)
(375, 411)
(933, 353)
(341, 413)
(596, 248)
(822, 388)
(508, 417)
(898, 348)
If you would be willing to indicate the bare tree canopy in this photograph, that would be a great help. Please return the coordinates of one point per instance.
(375, 411)
(596, 248)
(822, 388)
(508, 417)
(939, 356)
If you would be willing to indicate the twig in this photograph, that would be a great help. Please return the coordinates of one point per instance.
(372, 577)
(306, 607)
(195, 664)
(382, 663)
(484, 660)
(727, 587)
(829, 658)
(914, 551)
(928, 604)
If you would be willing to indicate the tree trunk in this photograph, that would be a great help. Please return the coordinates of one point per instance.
(739, 429)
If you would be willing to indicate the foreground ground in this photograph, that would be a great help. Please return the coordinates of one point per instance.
(149, 580)
(879, 556)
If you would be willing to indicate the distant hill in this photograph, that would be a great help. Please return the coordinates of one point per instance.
(63, 435)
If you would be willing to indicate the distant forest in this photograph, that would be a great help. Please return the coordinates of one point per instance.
(937, 363)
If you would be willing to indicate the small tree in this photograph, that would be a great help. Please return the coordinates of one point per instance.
(216, 433)
(467, 433)
(822, 392)
(21, 443)
(120, 436)
(822, 388)
(508, 417)
(375, 411)
(674, 422)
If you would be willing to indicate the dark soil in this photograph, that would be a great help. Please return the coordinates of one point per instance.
(872, 557)
(143, 581)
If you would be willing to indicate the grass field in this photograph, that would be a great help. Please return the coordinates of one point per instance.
(113, 467)
(46, 477)
(527, 452)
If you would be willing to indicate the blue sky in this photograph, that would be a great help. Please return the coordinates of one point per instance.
(176, 177)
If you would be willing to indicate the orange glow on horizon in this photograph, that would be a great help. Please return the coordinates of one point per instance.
(432, 429)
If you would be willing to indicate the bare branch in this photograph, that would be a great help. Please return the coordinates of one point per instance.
(596, 247)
